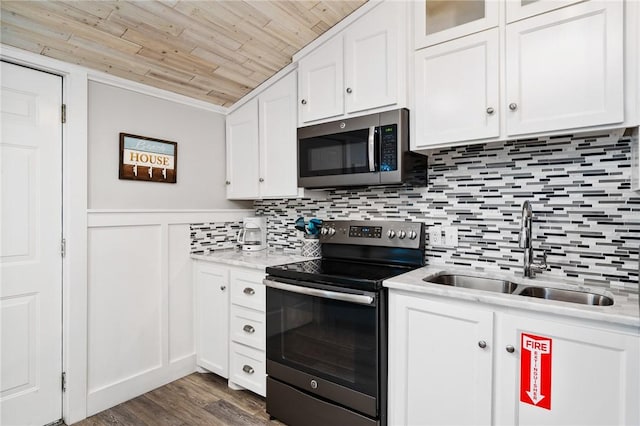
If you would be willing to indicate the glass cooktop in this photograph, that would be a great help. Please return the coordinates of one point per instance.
(345, 273)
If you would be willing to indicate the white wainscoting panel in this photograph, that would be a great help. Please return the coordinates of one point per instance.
(181, 309)
(140, 300)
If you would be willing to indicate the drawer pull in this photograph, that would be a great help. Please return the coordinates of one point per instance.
(248, 369)
(248, 329)
(249, 291)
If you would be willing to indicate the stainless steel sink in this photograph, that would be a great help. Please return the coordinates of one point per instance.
(572, 296)
(477, 283)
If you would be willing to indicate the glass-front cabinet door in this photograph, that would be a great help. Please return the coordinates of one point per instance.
(437, 21)
(520, 9)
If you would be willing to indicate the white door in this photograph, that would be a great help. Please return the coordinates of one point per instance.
(565, 69)
(212, 317)
(320, 82)
(30, 260)
(457, 90)
(374, 50)
(440, 371)
(243, 152)
(278, 152)
(594, 375)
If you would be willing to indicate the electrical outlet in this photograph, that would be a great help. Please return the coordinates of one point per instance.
(435, 236)
(451, 236)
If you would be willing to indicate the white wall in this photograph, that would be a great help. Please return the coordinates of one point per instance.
(140, 295)
(201, 152)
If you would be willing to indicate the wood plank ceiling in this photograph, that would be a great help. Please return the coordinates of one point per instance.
(216, 51)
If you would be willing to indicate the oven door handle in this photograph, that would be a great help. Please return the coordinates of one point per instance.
(360, 299)
(372, 147)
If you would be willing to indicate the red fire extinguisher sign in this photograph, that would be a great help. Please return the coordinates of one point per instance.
(535, 370)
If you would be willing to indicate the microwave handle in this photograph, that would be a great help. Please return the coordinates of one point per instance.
(372, 149)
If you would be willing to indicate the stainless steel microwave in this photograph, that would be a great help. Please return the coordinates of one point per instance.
(360, 151)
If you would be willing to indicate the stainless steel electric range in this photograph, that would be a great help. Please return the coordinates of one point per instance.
(327, 324)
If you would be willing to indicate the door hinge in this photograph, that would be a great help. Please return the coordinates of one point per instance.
(63, 247)
(63, 113)
(64, 381)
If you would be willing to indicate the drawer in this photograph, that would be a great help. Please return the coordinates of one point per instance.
(247, 290)
(247, 368)
(248, 327)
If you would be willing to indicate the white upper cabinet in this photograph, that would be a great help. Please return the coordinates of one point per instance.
(261, 144)
(243, 152)
(362, 68)
(520, 9)
(564, 69)
(372, 52)
(278, 161)
(437, 21)
(456, 87)
(320, 82)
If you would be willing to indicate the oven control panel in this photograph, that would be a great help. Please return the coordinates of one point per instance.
(385, 233)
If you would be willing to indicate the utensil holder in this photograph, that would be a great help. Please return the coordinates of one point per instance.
(310, 247)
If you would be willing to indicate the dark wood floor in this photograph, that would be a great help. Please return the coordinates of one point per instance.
(198, 399)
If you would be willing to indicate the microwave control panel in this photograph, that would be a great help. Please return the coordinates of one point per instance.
(388, 148)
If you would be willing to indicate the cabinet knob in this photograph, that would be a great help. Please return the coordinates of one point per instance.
(248, 369)
(223, 287)
(349, 90)
(248, 329)
(482, 344)
(313, 384)
(249, 291)
(303, 102)
(513, 106)
(510, 349)
(228, 183)
(490, 110)
(261, 180)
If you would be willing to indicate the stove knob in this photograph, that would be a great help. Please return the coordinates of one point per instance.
(402, 234)
(332, 231)
(324, 231)
(412, 235)
(391, 233)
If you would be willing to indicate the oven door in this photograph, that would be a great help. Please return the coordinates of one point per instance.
(326, 342)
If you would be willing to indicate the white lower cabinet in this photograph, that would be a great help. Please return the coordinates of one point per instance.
(462, 363)
(230, 318)
(438, 373)
(212, 317)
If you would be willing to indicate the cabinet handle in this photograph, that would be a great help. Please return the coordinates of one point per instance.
(249, 291)
(228, 183)
(349, 90)
(513, 106)
(510, 349)
(248, 369)
(303, 102)
(482, 344)
(223, 287)
(261, 180)
(490, 110)
(248, 329)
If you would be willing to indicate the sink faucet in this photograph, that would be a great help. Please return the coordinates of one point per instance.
(530, 267)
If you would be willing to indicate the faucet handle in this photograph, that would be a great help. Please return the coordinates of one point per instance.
(544, 259)
(542, 266)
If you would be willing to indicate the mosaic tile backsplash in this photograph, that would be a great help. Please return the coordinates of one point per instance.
(586, 216)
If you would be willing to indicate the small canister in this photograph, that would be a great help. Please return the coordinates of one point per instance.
(310, 246)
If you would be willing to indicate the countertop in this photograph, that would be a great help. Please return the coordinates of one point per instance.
(250, 259)
(624, 311)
